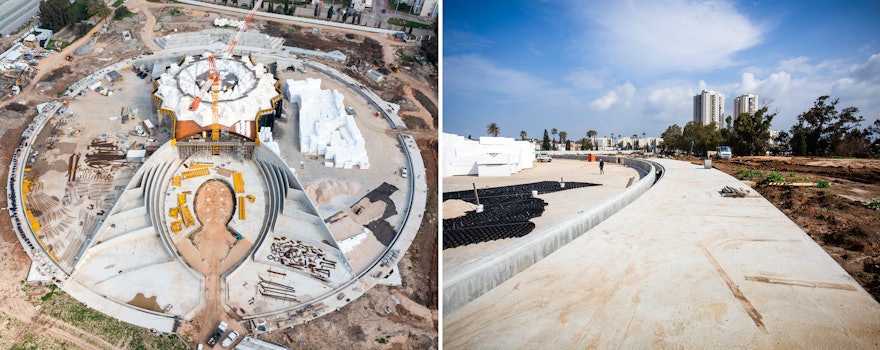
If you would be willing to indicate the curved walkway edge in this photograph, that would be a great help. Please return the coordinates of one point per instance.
(680, 267)
(468, 281)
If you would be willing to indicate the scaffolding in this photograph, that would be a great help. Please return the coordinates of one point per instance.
(237, 150)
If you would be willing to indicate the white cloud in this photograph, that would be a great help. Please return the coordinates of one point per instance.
(671, 103)
(797, 65)
(584, 79)
(868, 71)
(621, 96)
(678, 35)
(473, 77)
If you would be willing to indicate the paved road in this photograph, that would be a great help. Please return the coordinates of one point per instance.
(679, 267)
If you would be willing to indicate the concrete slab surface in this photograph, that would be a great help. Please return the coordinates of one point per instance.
(680, 267)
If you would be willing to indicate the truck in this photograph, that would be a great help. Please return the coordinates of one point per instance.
(221, 328)
(149, 127)
(229, 339)
(544, 158)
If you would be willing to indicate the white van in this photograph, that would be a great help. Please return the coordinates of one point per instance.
(725, 152)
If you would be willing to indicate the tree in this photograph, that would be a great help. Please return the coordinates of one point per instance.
(493, 129)
(522, 135)
(822, 130)
(567, 145)
(545, 145)
(54, 14)
(554, 132)
(699, 138)
(591, 134)
(586, 144)
(751, 132)
(671, 139)
(563, 136)
(100, 9)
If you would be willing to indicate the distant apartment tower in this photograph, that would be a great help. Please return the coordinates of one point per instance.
(745, 104)
(709, 107)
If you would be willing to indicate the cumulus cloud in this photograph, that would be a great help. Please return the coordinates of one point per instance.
(671, 103)
(677, 35)
(620, 96)
(868, 71)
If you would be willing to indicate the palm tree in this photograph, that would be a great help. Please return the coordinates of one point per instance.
(591, 134)
(635, 141)
(563, 136)
(493, 129)
(554, 132)
(99, 8)
(522, 135)
(644, 136)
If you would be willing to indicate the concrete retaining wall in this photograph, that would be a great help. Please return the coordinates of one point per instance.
(468, 281)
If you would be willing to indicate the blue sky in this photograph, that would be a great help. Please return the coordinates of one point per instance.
(628, 67)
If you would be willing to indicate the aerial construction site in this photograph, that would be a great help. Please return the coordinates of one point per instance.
(214, 176)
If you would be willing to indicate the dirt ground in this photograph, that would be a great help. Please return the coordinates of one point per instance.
(837, 217)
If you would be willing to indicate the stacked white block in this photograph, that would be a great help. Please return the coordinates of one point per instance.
(325, 128)
(490, 156)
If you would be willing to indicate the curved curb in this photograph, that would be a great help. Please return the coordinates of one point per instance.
(466, 282)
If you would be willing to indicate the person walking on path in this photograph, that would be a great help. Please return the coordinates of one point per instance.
(601, 167)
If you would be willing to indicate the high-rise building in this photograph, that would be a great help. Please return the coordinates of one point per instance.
(709, 107)
(745, 104)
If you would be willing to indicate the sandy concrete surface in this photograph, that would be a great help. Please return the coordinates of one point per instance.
(681, 267)
(560, 205)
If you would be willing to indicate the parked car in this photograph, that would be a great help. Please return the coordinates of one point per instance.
(218, 333)
(229, 339)
(404, 173)
(544, 158)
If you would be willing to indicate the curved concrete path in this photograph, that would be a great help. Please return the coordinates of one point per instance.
(679, 267)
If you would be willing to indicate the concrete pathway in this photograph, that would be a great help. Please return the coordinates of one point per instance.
(679, 267)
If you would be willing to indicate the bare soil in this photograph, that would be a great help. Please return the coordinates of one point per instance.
(837, 217)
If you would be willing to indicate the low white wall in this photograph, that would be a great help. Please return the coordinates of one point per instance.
(466, 282)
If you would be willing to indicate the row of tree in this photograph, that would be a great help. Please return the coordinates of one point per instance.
(547, 143)
(820, 131)
(56, 14)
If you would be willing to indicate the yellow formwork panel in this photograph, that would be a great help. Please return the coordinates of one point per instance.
(188, 219)
(238, 182)
(201, 165)
(175, 180)
(176, 226)
(241, 213)
(189, 174)
(173, 212)
(181, 199)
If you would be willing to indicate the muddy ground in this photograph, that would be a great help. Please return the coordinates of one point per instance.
(841, 217)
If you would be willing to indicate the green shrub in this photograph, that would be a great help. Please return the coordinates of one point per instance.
(822, 184)
(774, 177)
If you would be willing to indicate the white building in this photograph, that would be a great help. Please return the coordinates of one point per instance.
(745, 104)
(709, 107)
(490, 156)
